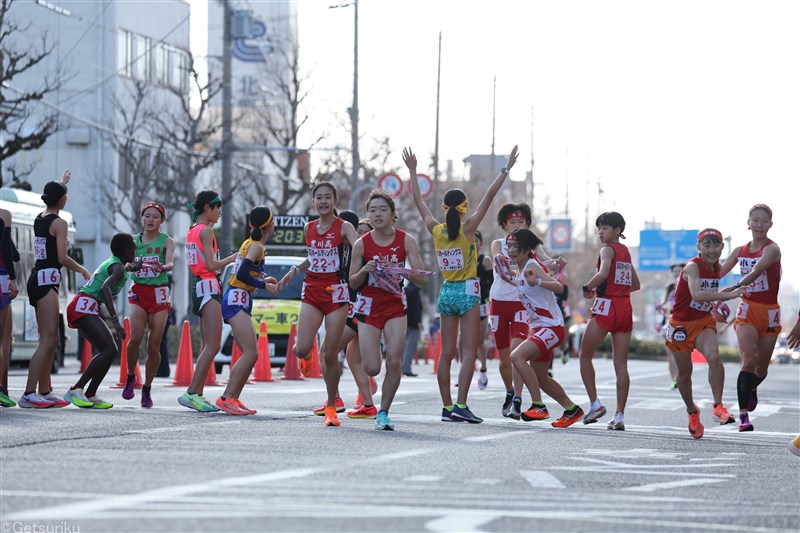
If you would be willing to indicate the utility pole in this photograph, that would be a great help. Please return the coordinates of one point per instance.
(494, 101)
(530, 192)
(354, 180)
(436, 140)
(226, 240)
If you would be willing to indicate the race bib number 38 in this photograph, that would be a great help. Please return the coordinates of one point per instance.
(452, 259)
(238, 297)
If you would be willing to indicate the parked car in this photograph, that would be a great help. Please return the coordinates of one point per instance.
(782, 353)
(277, 311)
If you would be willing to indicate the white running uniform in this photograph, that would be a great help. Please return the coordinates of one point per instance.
(501, 290)
(543, 310)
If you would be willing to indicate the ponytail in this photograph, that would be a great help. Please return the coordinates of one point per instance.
(260, 219)
(455, 204)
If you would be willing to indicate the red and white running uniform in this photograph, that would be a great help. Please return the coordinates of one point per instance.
(544, 316)
(377, 304)
(761, 309)
(612, 307)
(325, 286)
(507, 315)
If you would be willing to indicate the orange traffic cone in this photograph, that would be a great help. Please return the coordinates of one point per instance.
(429, 350)
(86, 356)
(123, 360)
(437, 352)
(316, 371)
(291, 368)
(698, 358)
(184, 368)
(211, 376)
(263, 369)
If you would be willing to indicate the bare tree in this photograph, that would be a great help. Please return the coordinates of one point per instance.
(23, 128)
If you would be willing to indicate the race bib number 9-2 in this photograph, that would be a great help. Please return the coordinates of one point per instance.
(452, 259)
(40, 248)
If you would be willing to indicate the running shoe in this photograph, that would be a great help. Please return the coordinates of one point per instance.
(535, 413)
(483, 380)
(744, 423)
(5, 400)
(695, 426)
(674, 384)
(147, 399)
(365, 411)
(516, 409)
(243, 407)
(616, 423)
(507, 404)
(230, 406)
(753, 403)
(594, 415)
(722, 415)
(794, 446)
(359, 403)
(305, 366)
(463, 413)
(75, 397)
(130, 384)
(320, 411)
(383, 422)
(196, 402)
(57, 402)
(550, 373)
(35, 401)
(373, 385)
(564, 357)
(330, 417)
(99, 403)
(567, 419)
(447, 416)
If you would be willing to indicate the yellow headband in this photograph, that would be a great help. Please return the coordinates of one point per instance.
(461, 208)
(267, 223)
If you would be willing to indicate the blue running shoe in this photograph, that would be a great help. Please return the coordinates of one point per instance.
(447, 416)
(383, 421)
(463, 413)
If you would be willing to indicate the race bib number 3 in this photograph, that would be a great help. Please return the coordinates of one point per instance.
(601, 306)
(162, 295)
(40, 247)
(206, 287)
(238, 297)
(623, 274)
(339, 293)
(191, 253)
(323, 261)
(87, 306)
(48, 276)
(452, 259)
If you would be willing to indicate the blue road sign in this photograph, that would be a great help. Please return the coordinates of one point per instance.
(658, 249)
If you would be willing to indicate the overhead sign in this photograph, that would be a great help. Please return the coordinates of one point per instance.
(391, 183)
(559, 235)
(658, 249)
(425, 185)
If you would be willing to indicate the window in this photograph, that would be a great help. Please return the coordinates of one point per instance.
(172, 66)
(141, 63)
(124, 52)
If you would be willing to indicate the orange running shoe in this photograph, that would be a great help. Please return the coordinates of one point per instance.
(567, 419)
(695, 426)
(320, 411)
(373, 385)
(229, 406)
(722, 415)
(535, 413)
(365, 411)
(243, 407)
(305, 366)
(330, 417)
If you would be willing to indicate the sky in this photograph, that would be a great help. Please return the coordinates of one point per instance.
(684, 113)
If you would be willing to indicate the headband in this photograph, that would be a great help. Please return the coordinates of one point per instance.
(157, 207)
(366, 222)
(195, 212)
(765, 207)
(461, 208)
(516, 214)
(709, 233)
(267, 223)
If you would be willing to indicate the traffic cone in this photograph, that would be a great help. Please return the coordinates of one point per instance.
(316, 371)
(211, 376)
(263, 369)
(698, 358)
(184, 368)
(437, 352)
(86, 356)
(291, 368)
(123, 360)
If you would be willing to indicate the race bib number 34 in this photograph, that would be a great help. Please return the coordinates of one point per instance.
(452, 259)
(87, 306)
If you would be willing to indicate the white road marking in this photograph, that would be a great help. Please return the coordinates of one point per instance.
(423, 478)
(495, 436)
(652, 487)
(459, 522)
(539, 479)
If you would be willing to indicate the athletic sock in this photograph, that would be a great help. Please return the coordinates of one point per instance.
(43, 394)
(146, 388)
(595, 405)
(539, 404)
(461, 405)
(572, 409)
(32, 392)
(449, 408)
(384, 411)
(518, 399)
(744, 388)
(758, 381)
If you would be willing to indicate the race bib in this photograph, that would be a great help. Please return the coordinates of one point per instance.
(363, 305)
(623, 274)
(40, 247)
(238, 297)
(191, 253)
(760, 284)
(48, 276)
(452, 259)
(339, 293)
(351, 310)
(774, 318)
(484, 310)
(323, 261)
(707, 285)
(147, 271)
(206, 287)
(741, 311)
(5, 284)
(548, 337)
(162, 295)
(494, 321)
(87, 306)
(521, 316)
(601, 306)
(472, 287)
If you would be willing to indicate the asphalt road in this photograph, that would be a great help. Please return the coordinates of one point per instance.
(171, 469)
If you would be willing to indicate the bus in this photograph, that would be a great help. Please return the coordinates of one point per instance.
(24, 207)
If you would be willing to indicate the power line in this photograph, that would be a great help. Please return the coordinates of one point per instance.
(91, 25)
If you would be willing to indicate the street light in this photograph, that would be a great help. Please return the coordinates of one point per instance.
(353, 111)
